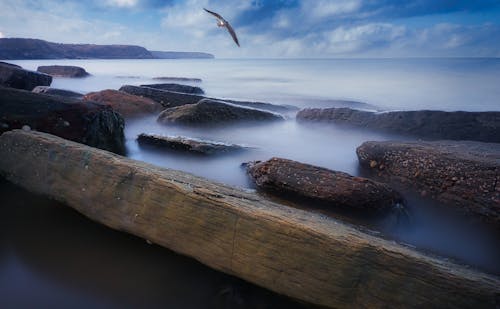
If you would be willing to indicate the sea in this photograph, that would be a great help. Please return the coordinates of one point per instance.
(62, 257)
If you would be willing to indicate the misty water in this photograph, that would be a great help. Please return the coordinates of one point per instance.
(383, 84)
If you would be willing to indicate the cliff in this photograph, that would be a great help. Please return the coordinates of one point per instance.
(19, 48)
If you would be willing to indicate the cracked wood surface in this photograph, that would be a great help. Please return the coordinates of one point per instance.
(293, 252)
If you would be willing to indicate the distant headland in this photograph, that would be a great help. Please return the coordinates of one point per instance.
(20, 49)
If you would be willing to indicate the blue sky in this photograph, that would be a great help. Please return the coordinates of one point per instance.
(266, 28)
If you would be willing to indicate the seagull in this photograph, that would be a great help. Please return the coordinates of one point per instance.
(221, 22)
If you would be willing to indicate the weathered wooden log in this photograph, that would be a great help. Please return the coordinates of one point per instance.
(462, 174)
(91, 123)
(290, 251)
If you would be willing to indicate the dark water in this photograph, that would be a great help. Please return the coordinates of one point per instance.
(53, 257)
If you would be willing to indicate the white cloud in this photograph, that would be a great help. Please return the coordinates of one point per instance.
(121, 3)
(328, 8)
(315, 28)
(67, 26)
(1, 35)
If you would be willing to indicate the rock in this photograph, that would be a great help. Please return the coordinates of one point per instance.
(63, 71)
(165, 98)
(209, 111)
(331, 188)
(180, 55)
(90, 123)
(178, 79)
(58, 92)
(176, 88)
(185, 144)
(126, 104)
(128, 76)
(479, 126)
(462, 174)
(16, 77)
(277, 108)
(290, 251)
(172, 99)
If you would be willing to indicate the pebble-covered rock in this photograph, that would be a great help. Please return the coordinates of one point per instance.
(332, 188)
(463, 174)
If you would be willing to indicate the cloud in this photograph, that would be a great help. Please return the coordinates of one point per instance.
(277, 28)
(121, 3)
(1, 35)
(326, 8)
(21, 19)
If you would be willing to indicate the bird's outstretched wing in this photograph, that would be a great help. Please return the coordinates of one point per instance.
(214, 14)
(232, 33)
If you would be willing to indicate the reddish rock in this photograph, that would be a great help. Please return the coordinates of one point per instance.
(127, 105)
(337, 189)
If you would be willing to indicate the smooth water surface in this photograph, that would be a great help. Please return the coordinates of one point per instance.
(389, 84)
(405, 84)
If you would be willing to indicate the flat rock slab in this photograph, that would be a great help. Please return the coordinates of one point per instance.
(290, 251)
(185, 144)
(63, 71)
(166, 98)
(171, 99)
(478, 126)
(58, 92)
(90, 123)
(462, 174)
(331, 188)
(176, 88)
(207, 112)
(127, 105)
(275, 108)
(178, 79)
(16, 77)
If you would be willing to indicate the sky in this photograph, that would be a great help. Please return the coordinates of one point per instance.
(267, 28)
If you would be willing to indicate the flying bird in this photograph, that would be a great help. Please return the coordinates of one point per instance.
(221, 22)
